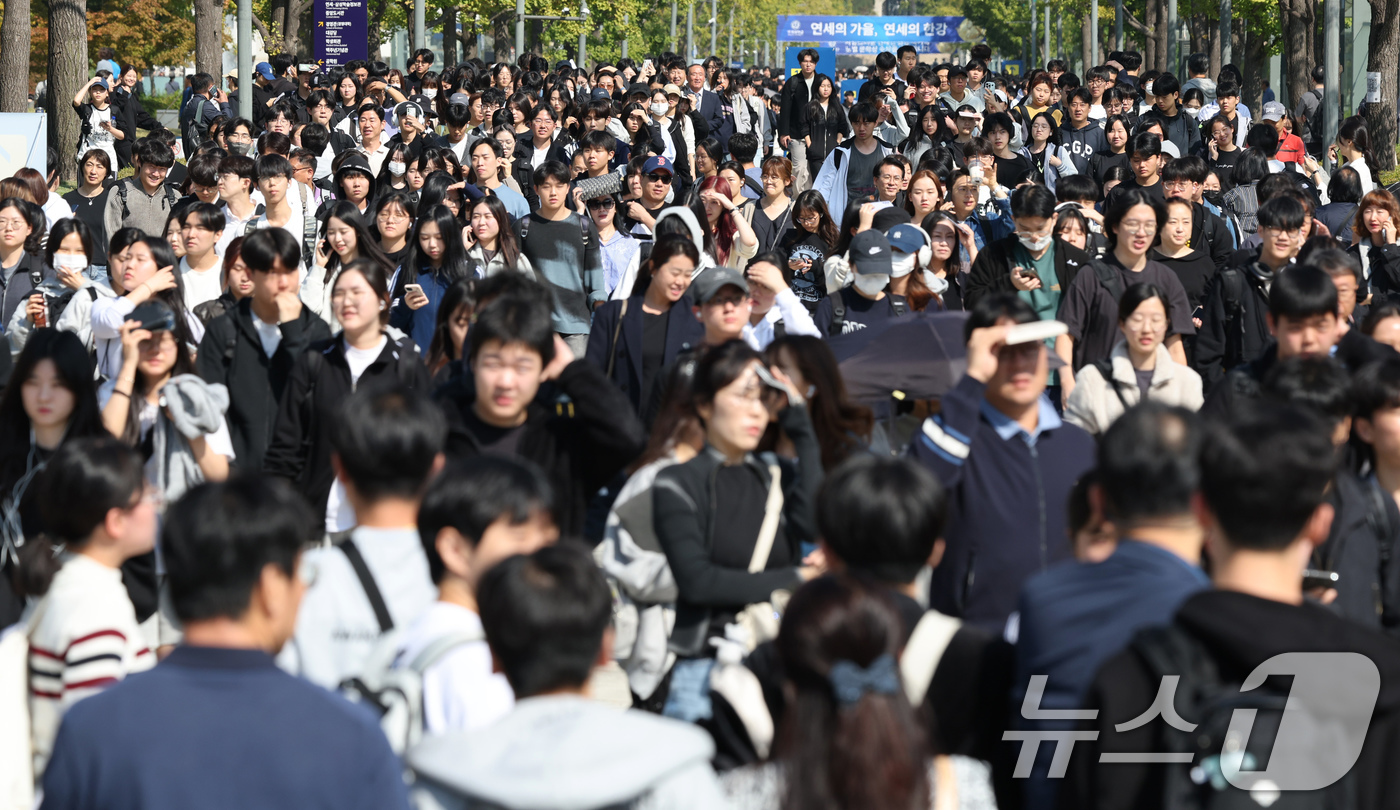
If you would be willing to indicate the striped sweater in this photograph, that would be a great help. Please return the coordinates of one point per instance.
(86, 639)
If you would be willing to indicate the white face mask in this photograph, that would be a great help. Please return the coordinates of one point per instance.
(397, 169)
(1034, 245)
(659, 107)
(902, 265)
(67, 261)
(430, 94)
(872, 283)
(1193, 111)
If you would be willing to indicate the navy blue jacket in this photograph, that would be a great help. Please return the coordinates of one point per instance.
(220, 728)
(683, 332)
(1007, 502)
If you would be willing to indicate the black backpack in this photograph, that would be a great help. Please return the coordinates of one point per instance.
(196, 131)
(1205, 699)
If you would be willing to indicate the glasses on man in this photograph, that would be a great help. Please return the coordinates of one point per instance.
(658, 177)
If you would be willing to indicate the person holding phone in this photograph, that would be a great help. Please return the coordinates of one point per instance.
(102, 129)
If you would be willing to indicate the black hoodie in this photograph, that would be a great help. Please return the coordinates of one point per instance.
(1239, 632)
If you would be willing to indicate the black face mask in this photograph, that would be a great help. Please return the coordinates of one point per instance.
(1214, 197)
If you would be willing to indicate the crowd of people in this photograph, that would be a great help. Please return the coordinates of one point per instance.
(376, 450)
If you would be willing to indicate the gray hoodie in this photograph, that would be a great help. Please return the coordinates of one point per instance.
(568, 753)
(147, 211)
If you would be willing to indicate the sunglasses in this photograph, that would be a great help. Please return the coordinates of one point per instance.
(599, 205)
(658, 177)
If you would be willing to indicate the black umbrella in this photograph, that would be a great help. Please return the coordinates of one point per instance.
(918, 356)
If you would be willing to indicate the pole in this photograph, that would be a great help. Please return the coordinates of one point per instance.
(480, 37)
(675, 44)
(245, 59)
(1045, 57)
(1118, 25)
(1226, 24)
(626, 22)
(1030, 46)
(1172, 36)
(714, 25)
(420, 37)
(1331, 58)
(583, 48)
(519, 28)
(690, 31)
(731, 34)
(1060, 37)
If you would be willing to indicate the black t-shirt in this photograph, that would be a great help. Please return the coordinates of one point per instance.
(808, 285)
(1194, 270)
(861, 312)
(89, 210)
(1103, 162)
(494, 440)
(1091, 313)
(653, 348)
(1224, 167)
(740, 498)
(1013, 171)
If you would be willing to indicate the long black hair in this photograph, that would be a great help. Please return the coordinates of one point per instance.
(60, 231)
(184, 364)
(74, 368)
(366, 246)
(506, 246)
(455, 264)
(440, 349)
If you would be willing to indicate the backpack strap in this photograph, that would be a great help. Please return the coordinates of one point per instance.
(376, 599)
(583, 228)
(436, 650)
(838, 314)
(1105, 369)
(122, 191)
(772, 514)
(925, 649)
(1232, 289)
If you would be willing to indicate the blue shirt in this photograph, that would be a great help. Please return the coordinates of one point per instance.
(1074, 617)
(515, 204)
(218, 728)
(1006, 427)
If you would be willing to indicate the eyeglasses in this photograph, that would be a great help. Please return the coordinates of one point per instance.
(1138, 227)
(1138, 321)
(811, 218)
(658, 177)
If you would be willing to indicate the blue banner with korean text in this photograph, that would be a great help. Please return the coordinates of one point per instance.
(341, 32)
(870, 35)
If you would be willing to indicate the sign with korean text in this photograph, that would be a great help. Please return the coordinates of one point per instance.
(341, 32)
(870, 35)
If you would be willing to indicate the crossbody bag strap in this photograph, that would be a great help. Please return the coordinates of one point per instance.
(376, 599)
(772, 513)
(617, 332)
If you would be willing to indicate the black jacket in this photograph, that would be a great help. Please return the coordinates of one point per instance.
(18, 284)
(1240, 386)
(684, 511)
(991, 271)
(561, 149)
(1384, 267)
(580, 430)
(1238, 632)
(1361, 547)
(134, 116)
(317, 388)
(791, 115)
(1234, 326)
(683, 332)
(1210, 235)
(232, 354)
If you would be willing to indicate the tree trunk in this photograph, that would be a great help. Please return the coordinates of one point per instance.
(1256, 62)
(1383, 56)
(209, 37)
(449, 35)
(1298, 18)
(1162, 32)
(68, 71)
(1149, 58)
(1088, 48)
(14, 57)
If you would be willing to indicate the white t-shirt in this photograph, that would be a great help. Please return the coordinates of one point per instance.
(460, 692)
(270, 334)
(233, 228)
(201, 285)
(339, 515)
